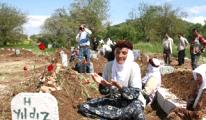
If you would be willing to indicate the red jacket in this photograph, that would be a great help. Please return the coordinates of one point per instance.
(201, 40)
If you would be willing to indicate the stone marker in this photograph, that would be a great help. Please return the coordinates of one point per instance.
(166, 69)
(64, 58)
(34, 106)
(49, 46)
(17, 52)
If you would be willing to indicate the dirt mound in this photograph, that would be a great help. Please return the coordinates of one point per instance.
(99, 64)
(10, 52)
(182, 84)
(74, 92)
(24, 53)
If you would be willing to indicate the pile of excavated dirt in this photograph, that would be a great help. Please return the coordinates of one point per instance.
(182, 84)
(74, 91)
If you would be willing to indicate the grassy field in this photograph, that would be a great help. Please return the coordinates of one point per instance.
(157, 48)
(31, 47)
(143, 47)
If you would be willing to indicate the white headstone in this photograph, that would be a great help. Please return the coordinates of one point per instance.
(34, 106)
(17, 52)
(64, 58)
(49, 46)
(72, 48)
(166, 69)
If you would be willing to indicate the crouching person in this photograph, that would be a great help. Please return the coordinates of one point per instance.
(196, 103)
(152, 80)
(122, 79)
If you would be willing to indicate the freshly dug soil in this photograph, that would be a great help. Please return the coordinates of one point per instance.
(76, 91)
(182, 84)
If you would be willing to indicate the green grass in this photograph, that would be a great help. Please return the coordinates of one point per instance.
(33, 47)
(142, 46)
(157, 48)
(148, 47)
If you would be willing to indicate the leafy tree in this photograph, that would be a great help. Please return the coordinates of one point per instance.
(57, 28)
(11, 21)
(63, 25)
(93, 13)
(123, 31)
(153, 21)
(170, 20)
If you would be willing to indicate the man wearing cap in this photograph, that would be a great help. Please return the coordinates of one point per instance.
(152, 80)
(82, 39)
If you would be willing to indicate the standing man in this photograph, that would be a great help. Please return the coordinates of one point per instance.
(95, 43)
(196, 47)
(82, 39)
(167, 48)
(181, 49)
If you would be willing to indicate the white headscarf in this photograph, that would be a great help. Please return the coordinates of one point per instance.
(153, 72)
(120, 71)
(202, 71)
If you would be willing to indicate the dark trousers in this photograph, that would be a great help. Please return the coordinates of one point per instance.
(194, 60)
(181, 57)
(84, 52)
(167, 56)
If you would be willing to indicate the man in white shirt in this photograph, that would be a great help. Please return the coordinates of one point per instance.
(167, 48)
(109, 42)
(181, 48)
(82, 39)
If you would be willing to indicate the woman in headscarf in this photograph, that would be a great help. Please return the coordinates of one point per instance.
(152, 80)
(122, 79)
(196, 102)
(199, 74)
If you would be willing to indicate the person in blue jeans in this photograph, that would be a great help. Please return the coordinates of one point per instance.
(82, 39)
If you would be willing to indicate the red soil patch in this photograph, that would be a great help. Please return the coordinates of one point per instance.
(182, 84)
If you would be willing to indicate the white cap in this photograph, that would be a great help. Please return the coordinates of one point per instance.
(154, 62)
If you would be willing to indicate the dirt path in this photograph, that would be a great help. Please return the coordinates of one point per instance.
(12, 68)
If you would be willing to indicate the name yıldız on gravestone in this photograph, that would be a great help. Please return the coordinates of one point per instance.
(34, 106)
